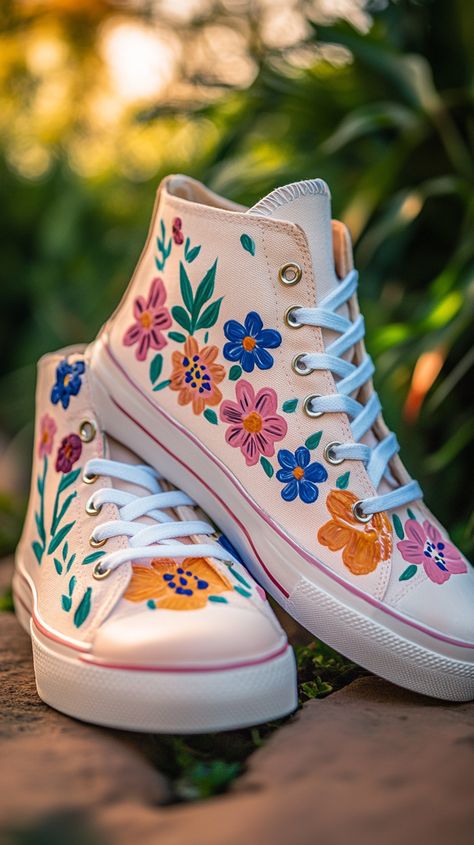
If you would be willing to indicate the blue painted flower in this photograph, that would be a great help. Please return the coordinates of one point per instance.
(299, 476)
(68, 382)
(248, 343)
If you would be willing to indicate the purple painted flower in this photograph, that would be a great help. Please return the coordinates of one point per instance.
(426, 546)
(68, 453)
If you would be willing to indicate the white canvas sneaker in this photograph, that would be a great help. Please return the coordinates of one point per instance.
(140, 616)
(235, 362)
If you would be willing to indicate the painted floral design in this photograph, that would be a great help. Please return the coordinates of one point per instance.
(248, 343)
(299, 475)
(254, 425)
(364, 545)
(176, 227)
(68, 382)
(425, 546)
(68, 453)
(48, 429)
(184, 586)
(196, 375)
(151, 317)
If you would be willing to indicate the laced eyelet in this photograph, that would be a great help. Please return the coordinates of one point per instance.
(96, 544)
(359, 513)
(307, 406)
(299, 367)
(87, 430)
(91, 509)
(290, 320)
(290, 273)
(329, 455)
(99, 573)
(89, 479)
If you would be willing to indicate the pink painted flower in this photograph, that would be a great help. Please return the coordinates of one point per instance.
(426, 546)
(178, 236)
(48, 429)
(151, 317)
(254, 425)
(68, 453)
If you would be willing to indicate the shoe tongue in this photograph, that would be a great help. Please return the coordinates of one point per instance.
(308, 204)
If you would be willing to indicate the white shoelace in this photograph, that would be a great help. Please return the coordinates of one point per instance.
(158, 540)
(351, 378)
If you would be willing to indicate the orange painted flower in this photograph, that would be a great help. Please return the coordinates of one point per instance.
(365, 544)
(196, 375)
(184, 586)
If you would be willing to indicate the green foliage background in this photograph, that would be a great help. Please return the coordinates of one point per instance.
(390, 128)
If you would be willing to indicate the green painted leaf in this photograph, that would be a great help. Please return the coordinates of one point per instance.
(182, 317)
(187, 244)
(161, 385)
(58, 565)
(71, 561)
(239, 577)
(185, 287)
(83, 608)
(68, 479)
(209, 317)
(411, 514)
(65, 550)
(40, 527)
(248, 243)
(72, 584)
(160, 265)
(206, 337)
(398, 526)
(267, 466)
(220, 599)
(66, 602)
(343, 481)
(313, 441)
(235, 372)
(177, 336)
(193, 254)
(204, 291)
(162, 229)
(38, 550)
(211, 416)
(290, 406)
(62, 512)
(156, 367)
(408, 573)
(242, 592)
(92, 558)
(59, 537)
(151, 604)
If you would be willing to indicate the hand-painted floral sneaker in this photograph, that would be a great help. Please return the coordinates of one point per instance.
(140, 618)
(235, 362)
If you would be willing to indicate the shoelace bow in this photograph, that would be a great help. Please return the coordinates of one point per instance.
(158, 540)
(351, 378)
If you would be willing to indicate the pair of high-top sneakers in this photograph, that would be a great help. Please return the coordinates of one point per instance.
(234, 368)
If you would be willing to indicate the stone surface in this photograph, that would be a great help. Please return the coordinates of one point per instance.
(371, 764)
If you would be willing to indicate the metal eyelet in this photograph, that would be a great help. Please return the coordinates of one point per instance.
(91, 509)
(359, 513)
(87, 430)
(291, 321)
(329, 453)
(96, 544)
(299, 367)
(290, 274)
(99, 573)
(89, 479)
(307, 406)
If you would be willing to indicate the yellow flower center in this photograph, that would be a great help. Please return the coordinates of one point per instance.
(146, 320)
(298, 472)
(253, 422)
(249, 343)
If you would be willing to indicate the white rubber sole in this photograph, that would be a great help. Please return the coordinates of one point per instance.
(157, 701)
(376, 637)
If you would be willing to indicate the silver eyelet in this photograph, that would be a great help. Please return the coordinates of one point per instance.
(96, 544)
(91, 509)
(290, 274)
(359, 513)
(87, 431)
(89, 479)
(291, 321)
(329, 453)
(99, 573)
(307, 406)
(299, 367)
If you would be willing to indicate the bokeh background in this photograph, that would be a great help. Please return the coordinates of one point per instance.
(98, 100)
